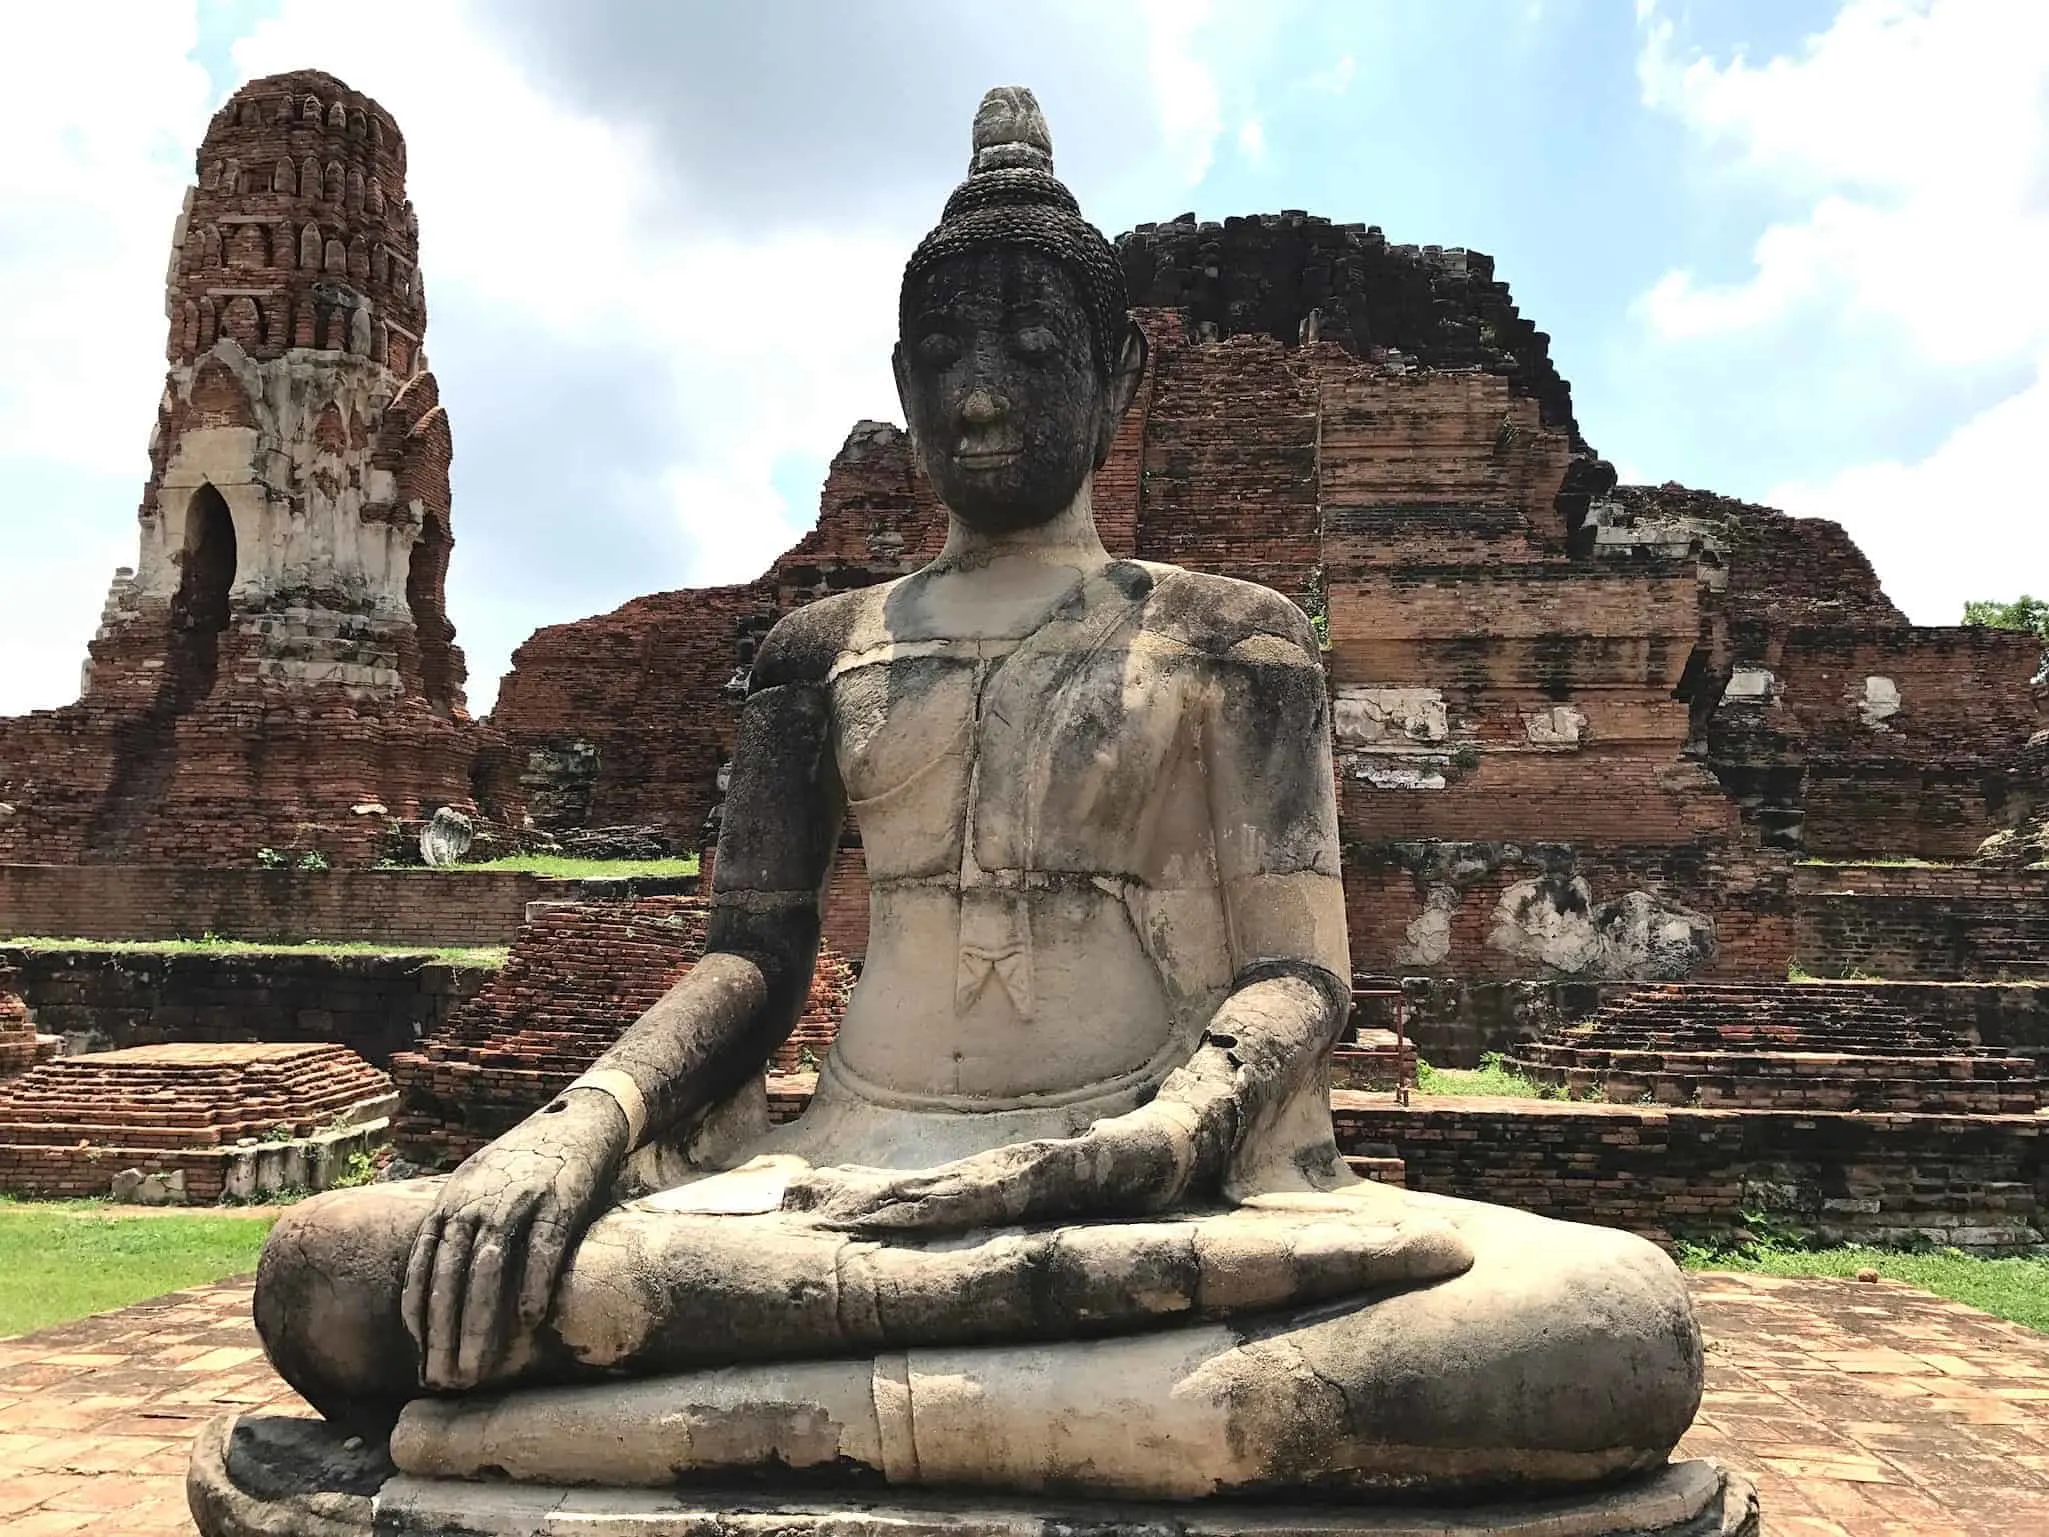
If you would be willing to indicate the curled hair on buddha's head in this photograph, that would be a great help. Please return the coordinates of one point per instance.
(1012, 198)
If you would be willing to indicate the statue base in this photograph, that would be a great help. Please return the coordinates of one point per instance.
(273, 1476)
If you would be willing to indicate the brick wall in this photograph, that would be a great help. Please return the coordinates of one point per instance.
(1932, 924)
(101, 1000)
(413, 907)
(1978, 1182)
(1457, 1020)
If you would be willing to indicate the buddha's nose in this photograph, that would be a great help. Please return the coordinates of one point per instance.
(983, 407)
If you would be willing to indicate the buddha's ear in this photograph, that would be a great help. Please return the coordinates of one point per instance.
(1126, 370)
(903, 388)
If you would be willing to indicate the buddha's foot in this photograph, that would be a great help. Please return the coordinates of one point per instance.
(271, 1477)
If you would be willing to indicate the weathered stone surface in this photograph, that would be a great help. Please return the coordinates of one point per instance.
(267, 1477)
(446, 837)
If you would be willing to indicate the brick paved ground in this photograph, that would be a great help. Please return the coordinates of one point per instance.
(1861, 1411)
(1875, 1411)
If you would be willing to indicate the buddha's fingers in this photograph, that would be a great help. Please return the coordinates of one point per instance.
(486, 1307)
(1052, 1283)
(546, 1247)
(1254, 1262)
(445, 1294)
(419, 1277)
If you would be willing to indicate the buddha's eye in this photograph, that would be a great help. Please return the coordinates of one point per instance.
(939, 350)
(1035, 342)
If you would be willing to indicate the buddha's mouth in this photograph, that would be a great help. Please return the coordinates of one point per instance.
(987, 459)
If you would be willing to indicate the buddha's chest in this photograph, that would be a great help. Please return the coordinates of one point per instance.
(1054, 757)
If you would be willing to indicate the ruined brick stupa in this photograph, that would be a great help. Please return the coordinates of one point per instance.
(278, 668)
(1582, 729)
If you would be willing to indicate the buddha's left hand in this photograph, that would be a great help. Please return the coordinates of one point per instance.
(1130, 1165)
(1160, 1157)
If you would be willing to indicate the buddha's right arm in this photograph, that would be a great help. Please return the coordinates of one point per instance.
(484, 1262)
(718, 1026)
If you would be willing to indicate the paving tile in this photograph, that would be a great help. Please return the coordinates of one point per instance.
(1860, 1411)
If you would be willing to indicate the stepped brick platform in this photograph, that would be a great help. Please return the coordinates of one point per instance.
(190, 1123)
(578, 975)
(1796, 1046)
(21, 1048)
(185, 1096)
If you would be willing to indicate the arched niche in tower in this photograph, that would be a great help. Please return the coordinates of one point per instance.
(249, 249)
(199, 609)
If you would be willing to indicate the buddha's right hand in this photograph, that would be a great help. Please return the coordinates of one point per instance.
(483, 1269)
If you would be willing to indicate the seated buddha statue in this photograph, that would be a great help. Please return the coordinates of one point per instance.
(1065, 1214)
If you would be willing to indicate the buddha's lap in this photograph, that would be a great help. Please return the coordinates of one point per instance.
(1555, 1331)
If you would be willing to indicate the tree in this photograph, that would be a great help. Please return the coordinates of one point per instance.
(2023, 613)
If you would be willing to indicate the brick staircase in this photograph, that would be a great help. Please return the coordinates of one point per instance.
(190, 1095)
(1792, 1046)
(577, 976)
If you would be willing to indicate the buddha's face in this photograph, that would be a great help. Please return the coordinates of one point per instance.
(997, 374)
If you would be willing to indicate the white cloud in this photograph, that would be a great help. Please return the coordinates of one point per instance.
(91, 185)
(1916, 135)
(559, 224)
(1186, 97)
(1252, 141)
(95, 169)
(1909, 142)
(1334, 81)
(1973, 491)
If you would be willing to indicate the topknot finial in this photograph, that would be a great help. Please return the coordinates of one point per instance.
(1010, 130)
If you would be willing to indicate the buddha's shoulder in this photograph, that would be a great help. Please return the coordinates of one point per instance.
(1221, 615)
(807, 641)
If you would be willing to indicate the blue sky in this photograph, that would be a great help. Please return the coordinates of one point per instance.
(1785, 250)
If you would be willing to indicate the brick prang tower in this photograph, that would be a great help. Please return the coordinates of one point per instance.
(278, 668)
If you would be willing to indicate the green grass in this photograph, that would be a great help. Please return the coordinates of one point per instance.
(1493, 1078)
(61, 1260)
(213, 944)
(583, 869)
(2014, 1288)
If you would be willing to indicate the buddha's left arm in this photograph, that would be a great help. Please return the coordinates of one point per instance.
(1273, 814)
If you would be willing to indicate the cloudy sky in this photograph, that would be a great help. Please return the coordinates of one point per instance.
(1790, 250)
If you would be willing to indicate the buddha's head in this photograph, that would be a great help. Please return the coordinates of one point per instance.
(1016, 352)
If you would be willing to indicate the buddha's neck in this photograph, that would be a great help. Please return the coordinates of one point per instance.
(1068, 538)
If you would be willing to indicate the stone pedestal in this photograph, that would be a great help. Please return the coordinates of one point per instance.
(268, 1476)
